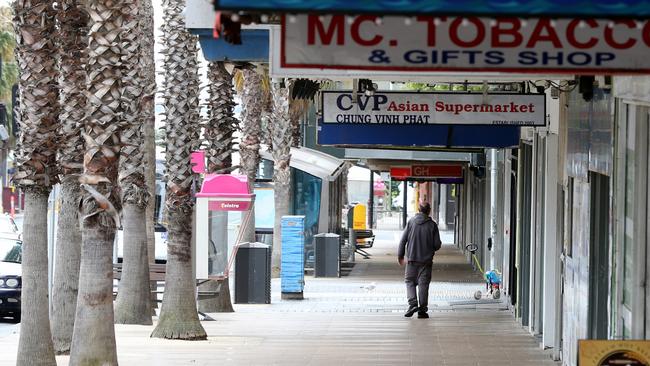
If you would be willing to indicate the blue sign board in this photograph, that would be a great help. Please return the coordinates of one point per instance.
(427, 119)
(254, 46)
(564, 8)
(418, 135)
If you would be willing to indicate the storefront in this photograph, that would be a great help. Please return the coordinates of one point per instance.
(630, 272)
(317, 186)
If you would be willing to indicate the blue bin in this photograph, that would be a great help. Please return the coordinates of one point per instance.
(292, 274)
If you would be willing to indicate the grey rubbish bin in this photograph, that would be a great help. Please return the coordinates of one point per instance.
(253, 274)
(327, 255)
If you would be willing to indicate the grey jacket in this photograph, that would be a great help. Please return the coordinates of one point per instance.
(420, 240)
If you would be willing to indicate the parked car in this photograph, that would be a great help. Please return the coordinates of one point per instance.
(10, 277)
(160, 235)
(11, 227)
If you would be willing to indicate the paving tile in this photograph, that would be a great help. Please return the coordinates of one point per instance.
(354, 320)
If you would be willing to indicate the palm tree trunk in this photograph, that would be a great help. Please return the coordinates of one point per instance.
(281, 138)
(133, 303)
(65, 287)
(149, 129)
(218, 133)
(93, 337)
(73, 40)
(249, 147)
(344, 190)
(36, 170)
(148, 115)
(178, 316)
(93, 340)
(150, 178)
(34, 346)
(224, 301)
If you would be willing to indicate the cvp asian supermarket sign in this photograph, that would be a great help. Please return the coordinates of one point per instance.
(440, 43)
(421, 108)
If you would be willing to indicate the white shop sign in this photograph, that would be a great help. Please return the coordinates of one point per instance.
(344, 107)
(430, 43)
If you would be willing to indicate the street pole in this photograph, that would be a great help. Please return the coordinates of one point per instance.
(352, 239)
(493, 205)
(371, 202)
(404, 203)
(444, 200)
(51, 239)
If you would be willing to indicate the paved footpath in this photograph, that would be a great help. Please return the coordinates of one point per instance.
(354, 320)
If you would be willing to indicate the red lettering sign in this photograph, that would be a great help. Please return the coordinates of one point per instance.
(609, 35)
(571, 34)
(437, 43)
(336, 26)
(400, 173)
(512, 32)
(229, 205)
(480, 32)
(356, 35)
(427, 171)
(437, 171)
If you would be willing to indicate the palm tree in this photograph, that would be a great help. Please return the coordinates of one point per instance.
(7, 81)
(221, 124)
(7, 49)
(178, 317)
(73, 40)
(297, 110)
(267, 118)
(93, 338)
(9, 69)
(36, 156)
(149, 119)
(133, 303)
(344, 191)
(218, 135)
(281, 141)
(249, 147)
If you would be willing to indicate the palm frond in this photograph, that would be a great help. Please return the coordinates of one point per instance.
(238, 80)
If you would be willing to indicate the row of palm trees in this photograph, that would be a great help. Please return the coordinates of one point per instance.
(86, 111)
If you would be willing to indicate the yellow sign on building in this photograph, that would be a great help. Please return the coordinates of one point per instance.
(359, 218)
(610, 353)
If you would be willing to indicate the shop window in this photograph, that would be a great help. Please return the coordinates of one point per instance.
(264, 206)
(306, 201)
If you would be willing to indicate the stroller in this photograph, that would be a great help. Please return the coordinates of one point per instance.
(492, 278)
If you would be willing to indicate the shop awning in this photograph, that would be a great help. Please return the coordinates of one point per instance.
(562, 8)
(316, 163)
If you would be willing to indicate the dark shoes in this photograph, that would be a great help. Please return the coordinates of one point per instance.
(412, 310)
(422, 314)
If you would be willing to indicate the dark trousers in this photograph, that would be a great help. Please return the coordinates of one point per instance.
(418, 274)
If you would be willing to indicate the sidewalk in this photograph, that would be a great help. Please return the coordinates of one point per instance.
(353, 320)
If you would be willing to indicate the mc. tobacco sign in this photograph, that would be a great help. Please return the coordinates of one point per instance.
(441, 43)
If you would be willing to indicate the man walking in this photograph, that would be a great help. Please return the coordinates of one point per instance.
(420, 241)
